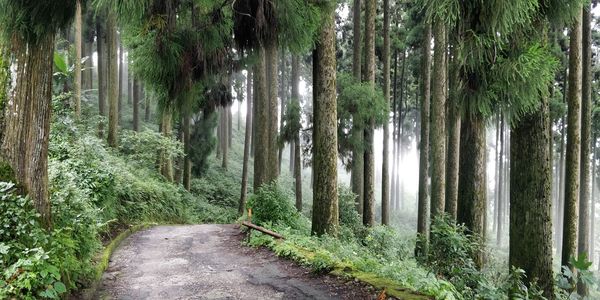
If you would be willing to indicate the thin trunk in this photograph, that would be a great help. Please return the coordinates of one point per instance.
(261, 117)
(272, 150)
(500, 201)
(166, 162)
(325, 196)
(496, 173)
(146, 104)
(423, 200)
(187, 162)
(121, 66)
(78, 71)
(561, 195)
(369, 76)
(229, 127)
(453, 149)
(219, 133)
(593, 203)
(296, 144)
(136, 105)
(102, 62)
(385, 188)
(113, 84)
(572, 171)
(357, 132)
(247, 137)
(225, 135)
(394, 133)
(438, 130)
(27, 121)
(283, 96)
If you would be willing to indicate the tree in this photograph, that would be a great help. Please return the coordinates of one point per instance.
(102, 46)
(325, 196)
(438, 119)
(261, 140)
(113, 80)
(247, 137)
(423, 201)
(296, 143)
(573, 155)
(357, 131)
(583, 247)
(453, 147)
(27, 113)
(385, 188)
(369, 131)
(136, 104)
(78, 71)
(272, 79)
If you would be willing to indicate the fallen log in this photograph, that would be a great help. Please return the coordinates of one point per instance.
(263, 230)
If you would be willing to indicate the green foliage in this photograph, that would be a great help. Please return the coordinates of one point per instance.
(33, 20)
(292, 123)
(298, 23)
(143, 147)
(357, 104)
(35, 263)
(270, 205)
(202, 142)
(568, 280)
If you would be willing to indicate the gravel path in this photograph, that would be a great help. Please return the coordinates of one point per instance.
(209, 262)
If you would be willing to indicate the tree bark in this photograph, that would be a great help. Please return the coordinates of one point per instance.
(369, 132)
(357, 173)
(247, 137)
(102, 72)
(531, 199)
(113, 84)
(136, 105)
(438, 130)
(146, 105)
(27, 121)
(225, 137)
(472, 185)
(120, 93)
(166, 163)
(573, 155)
(423, 194)
(273, 148)
(500, 202)
(283, 96)
(297, 170)
(453, 149)
(385, 184)
(325, 196)
(187, 162)
(583, 246)
(78, 71)
(261, 118)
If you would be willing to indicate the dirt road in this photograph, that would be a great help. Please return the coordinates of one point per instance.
(209, 262)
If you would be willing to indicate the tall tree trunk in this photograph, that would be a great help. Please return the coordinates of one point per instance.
(136, 105)
(593, 202)
(102, 72)
(472, 185)
(166, 163)
(531, 199)
(113, 84)
(261, 120)
(438, 130)
(78, 71)
(219, 133)
(561, 196)
(187, 162)
(247, 137)
(121, 66)
(325, 196)
(296, 144)
(496, 173)
(229, 126)
(423, 200)
(225, 136)
(146, 105)
(572, 171)
(272, 150)
(27, 121)
(283, 96)
(453, 148)
(583, 246)
(369, 76)
(385, 184)
(500, 202)
(357, 132)
(394, 134)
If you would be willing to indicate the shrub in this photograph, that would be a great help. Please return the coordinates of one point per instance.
(271, 205)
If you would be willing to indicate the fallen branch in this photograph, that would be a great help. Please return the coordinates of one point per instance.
(263, 230)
